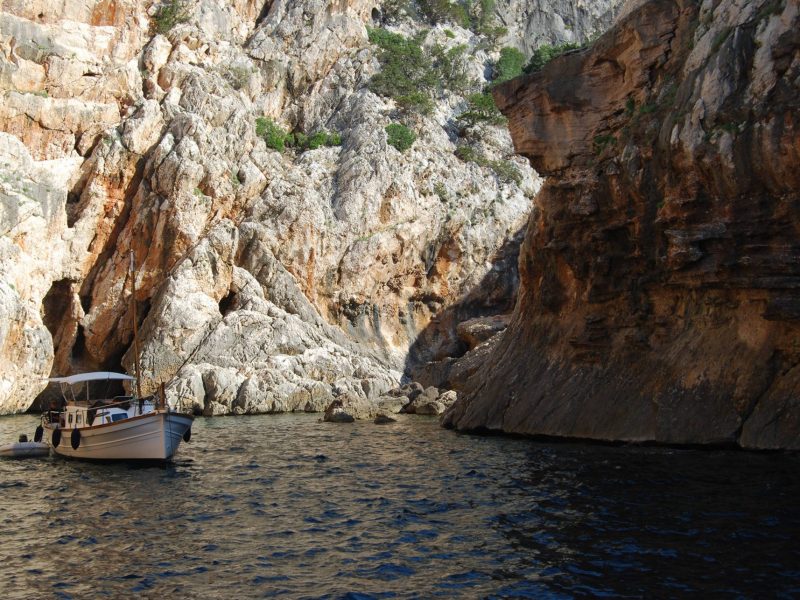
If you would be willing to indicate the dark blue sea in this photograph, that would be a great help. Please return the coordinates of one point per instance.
(286, 506)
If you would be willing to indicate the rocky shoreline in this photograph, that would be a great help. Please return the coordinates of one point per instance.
(314, 224)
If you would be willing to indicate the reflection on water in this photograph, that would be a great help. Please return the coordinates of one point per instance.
(284, 505)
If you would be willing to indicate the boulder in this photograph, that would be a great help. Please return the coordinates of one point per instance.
(348, 408)
(429, 407)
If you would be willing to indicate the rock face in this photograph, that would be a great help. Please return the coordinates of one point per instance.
(266, 281)
(660, 272)
(531, 24)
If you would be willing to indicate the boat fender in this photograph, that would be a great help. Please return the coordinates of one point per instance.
(75, 438)
(187, 435)
(56, 439)
(37, 436)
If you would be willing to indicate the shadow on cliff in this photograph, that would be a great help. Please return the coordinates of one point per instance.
(437, 348)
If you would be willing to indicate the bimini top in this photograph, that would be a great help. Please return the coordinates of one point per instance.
(94, 376)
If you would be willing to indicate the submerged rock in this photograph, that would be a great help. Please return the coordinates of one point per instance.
(384, 420)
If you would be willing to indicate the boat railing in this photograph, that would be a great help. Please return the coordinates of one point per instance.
(91, 409)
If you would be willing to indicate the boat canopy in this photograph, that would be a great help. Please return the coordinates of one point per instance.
(94, 376)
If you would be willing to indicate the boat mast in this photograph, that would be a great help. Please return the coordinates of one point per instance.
(135, 328)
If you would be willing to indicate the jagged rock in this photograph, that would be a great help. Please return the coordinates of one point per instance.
(221, 387)
(448, 398)
(666, 229)
(476, 331)
(427, 396)
(532, 24)
(305, 274)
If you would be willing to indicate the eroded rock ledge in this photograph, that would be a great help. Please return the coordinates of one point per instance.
(659, 277)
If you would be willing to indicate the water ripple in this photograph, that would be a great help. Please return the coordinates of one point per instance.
(285, 506)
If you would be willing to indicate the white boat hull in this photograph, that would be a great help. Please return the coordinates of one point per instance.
(24, 450)
(152, 436)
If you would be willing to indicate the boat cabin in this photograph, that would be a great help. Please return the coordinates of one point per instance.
(80, 410)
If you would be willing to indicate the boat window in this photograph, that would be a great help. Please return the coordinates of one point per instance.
(70, 418)
(119, 417)
(78, 419)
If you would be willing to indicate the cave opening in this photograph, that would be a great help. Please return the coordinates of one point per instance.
(228, 303)
(55, 307)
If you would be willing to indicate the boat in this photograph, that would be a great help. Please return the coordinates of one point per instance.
(123, 427)
(24, 449)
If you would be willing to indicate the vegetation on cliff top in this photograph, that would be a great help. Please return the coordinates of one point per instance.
(545, 53)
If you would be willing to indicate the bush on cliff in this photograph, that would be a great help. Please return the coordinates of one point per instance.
(545, 53)
(481, 109)
(400, 136)
(273, 135)
(445, 11)
(450, 66)
(279, 139)
(406, 72)
(411, 76)
(169, 14)
(509, 65)
(504, 170)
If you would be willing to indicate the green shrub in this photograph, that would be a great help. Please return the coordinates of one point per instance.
(484, 23)
(298, 139)
(468, 154)
(445, 11)
(485, 13)
(404, 67)
(278, 139)
(450, 66)
(545, 53)
(394, 10)
(406, 72)
(273, 135)
(400, 136)
(481, 109)
(504, 170)
(416, 102)
(169, 14)
(509, 65)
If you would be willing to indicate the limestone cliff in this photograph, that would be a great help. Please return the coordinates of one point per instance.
(267, 281)
(660, 272)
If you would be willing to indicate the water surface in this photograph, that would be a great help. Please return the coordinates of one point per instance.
(287, 506)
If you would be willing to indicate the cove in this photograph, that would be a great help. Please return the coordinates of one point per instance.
(263, 506)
